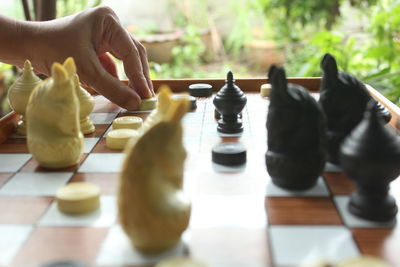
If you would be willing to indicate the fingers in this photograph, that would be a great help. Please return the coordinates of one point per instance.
(145, 64)
(93, 74)
(123, 47)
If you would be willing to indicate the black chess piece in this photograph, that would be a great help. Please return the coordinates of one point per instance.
(217, 116)
(296, 129)
(343, 98)
(229, 102)
(371, 156)
(65, 263)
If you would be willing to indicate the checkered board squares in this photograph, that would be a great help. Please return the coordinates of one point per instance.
(12, 162)
(117, 251)
(239, 217)
(300, 245)
(103, 217)
(318, 190)
(230, 246)
(18, 145)
(12, 238)
(102, 162)
(233, 211)
(49, 244)
(103, 118)
(89, 144)
(35, 184)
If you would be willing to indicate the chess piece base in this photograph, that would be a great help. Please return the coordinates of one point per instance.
(87, 126)
(294, 173)
(379, 209)
(230, 127)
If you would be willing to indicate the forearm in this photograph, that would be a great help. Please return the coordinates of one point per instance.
(83, 36)
(21, 40)
(13, 41)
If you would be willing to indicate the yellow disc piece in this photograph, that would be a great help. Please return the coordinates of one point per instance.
(78, 198)
(265, 89)
(148, 104)
(319, 264)
(366, 261)
(117, 139)
(127, 122)
(180, 262)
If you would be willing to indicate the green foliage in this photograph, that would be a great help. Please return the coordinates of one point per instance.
(293, 15)
(375, 59)
(241, 30)
(305, 61)
(4, 67)
(384, 49)
(68, 7)
(186, 57)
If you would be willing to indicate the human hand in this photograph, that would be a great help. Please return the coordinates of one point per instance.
(86, 36)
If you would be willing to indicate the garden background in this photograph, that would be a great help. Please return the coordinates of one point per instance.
(206, 38)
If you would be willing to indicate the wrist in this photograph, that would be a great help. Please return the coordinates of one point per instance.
(20, 40)
(11, 45)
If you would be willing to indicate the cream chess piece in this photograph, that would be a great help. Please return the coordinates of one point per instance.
(153, 209)
(180, 262)
(19, 93)
(53, 131)
(78, 198)
(164, 100)
(86, 100)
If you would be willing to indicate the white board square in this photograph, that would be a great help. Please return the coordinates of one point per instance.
(13, 162)
(102, 162)
(89, 143)
(117, 250)
(304, 245)
(35, 184)
(103, 217)
(12, 238)
(102, 118)
(318, 190)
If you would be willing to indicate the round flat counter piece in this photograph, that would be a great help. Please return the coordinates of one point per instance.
(127, 122)
(180, 262)
(191, 99)
(64, 263)
(365, 261)
(200, 90)
(229, 154)
(265, 89)
(148, 104)
(78, 198)
(117, 139)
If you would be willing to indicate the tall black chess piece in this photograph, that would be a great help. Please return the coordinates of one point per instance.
(371, 156)
(229, 102)
(343, 98)
(296, 129)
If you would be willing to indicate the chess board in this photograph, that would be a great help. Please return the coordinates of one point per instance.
(239, 218)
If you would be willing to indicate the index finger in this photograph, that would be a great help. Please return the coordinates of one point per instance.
(93, 74)
(122, 47)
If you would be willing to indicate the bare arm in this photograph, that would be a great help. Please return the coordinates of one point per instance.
(83, 36)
